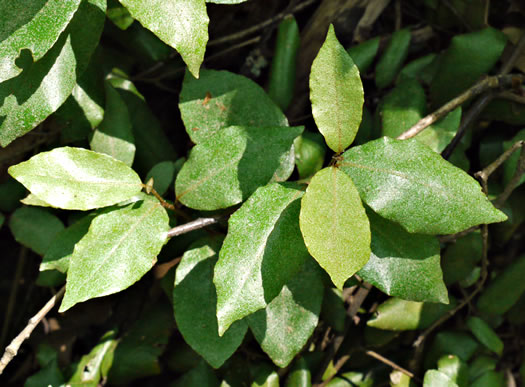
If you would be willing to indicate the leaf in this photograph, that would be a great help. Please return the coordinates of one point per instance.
(26, 100)
(226, 1)
(405, 181)
(200, 376)
(285, 325)
(460, 258)
(114, 136)
(336, 93)
(402, 264)
(77, 179)
(120, 247)
(456, 343)
(162, 174)
(182, 24)
(434, 378)
(438, 135)
(195, 299)
(485, 334)
(490, 379)
(310, 151)
(392, 59)
(455, 369)
(33, 26)
(228, 167)
(364, 53)
(35, 228)
(119, 15)
(300, 375)
(334, 225)
(251, 272)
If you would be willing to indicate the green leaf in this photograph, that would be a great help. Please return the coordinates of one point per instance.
(132, 237)
(490, 379)
(195, 299)
(396, 314)
(119, 15)
(461, 258)
(26, 100)
(182, 24)
(333, 312)
(49, 373)
(285, 325)
(33, 26)
(364, 53)
(450, 343)
(60, 250)
(481, 365)
(114, 136)
(485, 334)
(336, 93)
(334, 225)
(263, 375)
(392, 59)
(251, 272)
(438, 135)
(35, 228)
(434, 378)
(455, 369)
(162, 174)
(510, 165)
(300, 375)
(228, 167)
(11, 191)
(200, 376)
(77, 179)
(405, 181)
(402, 264)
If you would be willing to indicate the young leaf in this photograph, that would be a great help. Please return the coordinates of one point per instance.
(285, 325)
(405, 181)
(195, 299)
(402, 264)
(114, 136)
(251, 270)
(120, 247)
(228, 167)
(336, 93)
(35, 228)
(77, 179)
(334, 225)
(33, 26)
(182, 24)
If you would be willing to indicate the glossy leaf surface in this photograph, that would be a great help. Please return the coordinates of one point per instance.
(77, 179)
(195, 300)
(405, 181)
(251, 270)
(285, 325)
(336, 93)
(120, 247)
(334, 225)
(182, 24)
(229, 166)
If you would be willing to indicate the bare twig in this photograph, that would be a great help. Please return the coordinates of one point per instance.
(192, 226)
(12, 349)
(390, 363)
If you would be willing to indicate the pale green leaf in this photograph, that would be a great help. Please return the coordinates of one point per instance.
(162, 174)
(35, 228)
(195, 299)
(77, 179)
(228, 167)
(402, 264)
(336, 93)
(33, 200)
(334, 225)
(30, 25)
(182, 24)
(434, 378)
(285, 325)
(455, 369)
(405, 181)
(120, 247)
(114, 136)
(251, 271)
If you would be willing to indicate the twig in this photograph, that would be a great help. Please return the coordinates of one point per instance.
(12, 349)
(192, 226)
(390, 363)
(399, 15)
(233, 48)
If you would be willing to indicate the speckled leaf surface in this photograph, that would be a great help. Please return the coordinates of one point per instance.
(182, 24)
(195, 300)
(336, 93)
(229, 166)
(285, 325)
(30, 25)
(114, 136)
(262, 251)
(35, 228)
(120, 247)
(26, 100)
(77, 178)
(405, 181)
(334, 225)
(402, 264)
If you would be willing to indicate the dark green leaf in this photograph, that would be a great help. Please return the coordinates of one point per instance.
(132, 237)
(485, 334)
(334, 225)
(162, 174)
(364, 53)
(309, 153)
(195, 300)
(509, 168)
(490, 379)
(419, 69)
(405, 181)
(228, 167)
(119, 15)
(333, 312)
(460, 344)
(200, 376)
(461, 257)
(77, 179)
(263, 375)
(49, 374)
(402, 264)
(285, 325)
(336, 93)
(393, 58)
(11, 191)
(251, 272)
(481, 365)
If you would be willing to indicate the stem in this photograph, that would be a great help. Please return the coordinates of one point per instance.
(191, 226)
(390, 363)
